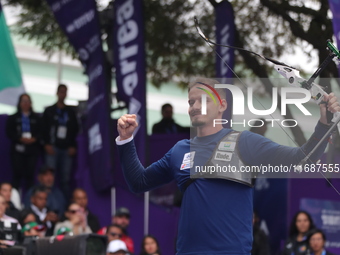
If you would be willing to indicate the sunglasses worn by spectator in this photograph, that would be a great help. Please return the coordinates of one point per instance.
(74, 211)
(115, 234)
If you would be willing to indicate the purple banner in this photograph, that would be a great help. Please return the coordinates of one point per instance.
(80, 23)
(326, 216)
(129, 59)
(225, 29)
(334, 5)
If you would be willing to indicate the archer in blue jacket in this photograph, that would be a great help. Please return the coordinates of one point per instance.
(216, 213)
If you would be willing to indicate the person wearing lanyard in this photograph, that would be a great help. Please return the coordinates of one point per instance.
(316, 241)
(297, 242)
(23, 129)
(60, 129)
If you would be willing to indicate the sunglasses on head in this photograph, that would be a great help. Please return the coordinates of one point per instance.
(115, 234)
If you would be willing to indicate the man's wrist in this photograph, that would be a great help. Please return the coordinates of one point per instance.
(323, 125)
(119, 141)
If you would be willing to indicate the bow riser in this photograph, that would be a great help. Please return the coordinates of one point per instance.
(294, 79)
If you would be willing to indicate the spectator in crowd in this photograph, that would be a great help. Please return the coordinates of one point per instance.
(6, 218)
(27, 216)
(316, 242)
(80, 197)
(55, 199)
(23, 129)
(260, 239)
(114, 232)
(5, 191)
(60, 128)
(150, 246)
(167, 125)
(75, 221)
(122, 219)
(259, 127)
(297, 243)
(41, 212)
(33, 229)
(117, 247)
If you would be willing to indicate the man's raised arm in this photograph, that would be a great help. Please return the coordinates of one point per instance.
(138, 178)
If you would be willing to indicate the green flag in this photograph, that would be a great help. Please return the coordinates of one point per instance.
(11, 85)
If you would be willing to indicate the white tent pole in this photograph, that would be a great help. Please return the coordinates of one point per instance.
(146, 212)
(113, 201)
(60, 67)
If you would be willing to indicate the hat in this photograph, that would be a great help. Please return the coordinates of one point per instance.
(46, 169)
(28, 226)
(63, 231)
(123, 211)
(115, 246)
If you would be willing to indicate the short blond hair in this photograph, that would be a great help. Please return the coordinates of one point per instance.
(210, 82)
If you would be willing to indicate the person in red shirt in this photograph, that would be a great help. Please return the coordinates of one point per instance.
(122, 219)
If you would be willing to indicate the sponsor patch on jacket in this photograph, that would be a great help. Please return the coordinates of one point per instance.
(223, 156)
(227, 146)
(189, 156)
(188, 160)
(186, 165)
(233, 136)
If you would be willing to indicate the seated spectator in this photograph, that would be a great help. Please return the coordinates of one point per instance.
(33, 229)
(76, 221)
(122, 219)
(117, 247)
(114, 232)
(150, 246)
(260, 239)
(6, 191)
(40, 210)
(316, 241)
(80, 197)
(55, 199)
(167, 125)
(297, 243)
(7, 220)
(27, 216)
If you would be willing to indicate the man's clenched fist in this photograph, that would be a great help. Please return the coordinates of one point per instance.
(126, 125)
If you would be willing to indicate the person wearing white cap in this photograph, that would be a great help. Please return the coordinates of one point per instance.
(117, 247)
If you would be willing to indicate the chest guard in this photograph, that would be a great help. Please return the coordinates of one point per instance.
(225, 162)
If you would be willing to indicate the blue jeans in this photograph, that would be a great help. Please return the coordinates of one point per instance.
(61, 162)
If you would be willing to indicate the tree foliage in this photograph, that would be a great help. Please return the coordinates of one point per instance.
(175, 52)
(36, 22)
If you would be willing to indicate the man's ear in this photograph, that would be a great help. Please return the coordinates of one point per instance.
(223, 106)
